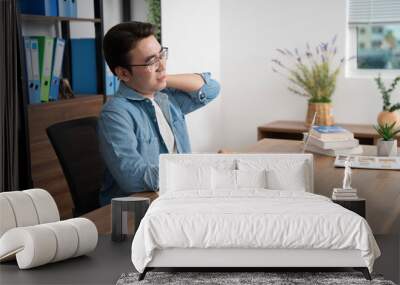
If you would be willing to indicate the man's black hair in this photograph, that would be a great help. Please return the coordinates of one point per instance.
(122, 38)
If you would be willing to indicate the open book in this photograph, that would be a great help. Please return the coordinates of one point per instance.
(371, 162)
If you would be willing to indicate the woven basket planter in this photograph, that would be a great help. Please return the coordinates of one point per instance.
(324, 114)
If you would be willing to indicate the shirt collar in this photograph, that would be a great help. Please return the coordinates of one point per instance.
(126, 92)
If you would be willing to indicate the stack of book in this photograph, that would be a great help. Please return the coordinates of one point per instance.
(344, 194)
(331, 141)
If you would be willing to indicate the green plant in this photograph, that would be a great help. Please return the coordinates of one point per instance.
(386, 131)
(154, 16)
(313, 73)
(386, 93)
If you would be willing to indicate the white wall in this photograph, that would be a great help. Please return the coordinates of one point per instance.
(253, 94)
(191, 31)
(249, 33)
(139, 10)
(112, 11)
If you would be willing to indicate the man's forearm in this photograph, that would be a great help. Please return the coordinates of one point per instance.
(185, 82)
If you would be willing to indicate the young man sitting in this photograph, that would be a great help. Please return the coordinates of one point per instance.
(146, 116)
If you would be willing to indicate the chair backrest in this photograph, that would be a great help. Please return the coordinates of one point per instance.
(76, 145)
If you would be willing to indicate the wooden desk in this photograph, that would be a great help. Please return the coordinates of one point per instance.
(380, 188)
(294, 130)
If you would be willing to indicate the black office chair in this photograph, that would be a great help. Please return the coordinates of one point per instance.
(76, 145)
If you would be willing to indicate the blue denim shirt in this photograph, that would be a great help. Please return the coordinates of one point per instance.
(130, 140)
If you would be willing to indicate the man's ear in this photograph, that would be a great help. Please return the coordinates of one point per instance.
(123, 74)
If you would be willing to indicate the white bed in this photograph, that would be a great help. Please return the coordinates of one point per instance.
(253, 210)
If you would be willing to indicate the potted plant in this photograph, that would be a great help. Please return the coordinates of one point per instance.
(312, 74)
(387, 144)
(389, 113)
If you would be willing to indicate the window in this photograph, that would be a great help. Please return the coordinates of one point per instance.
(377, 30)
(378, 47)
(373, 38)
(375, 45)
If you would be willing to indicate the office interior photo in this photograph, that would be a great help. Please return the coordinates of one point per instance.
(200, 142)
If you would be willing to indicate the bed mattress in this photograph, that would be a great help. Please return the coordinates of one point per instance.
(250, 219)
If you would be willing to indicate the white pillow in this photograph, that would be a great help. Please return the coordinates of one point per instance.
(293, 180)
(227, 179)
(282, 174)
(188, 177)
(251, 178)
(223, 179)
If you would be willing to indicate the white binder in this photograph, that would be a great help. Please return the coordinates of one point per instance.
(59, 45)
(28, 64)
(63, 8)
(32, 68)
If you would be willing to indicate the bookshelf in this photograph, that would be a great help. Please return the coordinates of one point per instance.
(46, 171)
(54, 19)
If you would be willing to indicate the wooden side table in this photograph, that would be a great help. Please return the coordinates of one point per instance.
(357, 206)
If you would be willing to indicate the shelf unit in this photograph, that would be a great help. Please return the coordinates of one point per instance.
(46, 171)
(54, 19)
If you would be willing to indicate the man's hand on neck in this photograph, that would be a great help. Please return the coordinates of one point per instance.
(185, 82)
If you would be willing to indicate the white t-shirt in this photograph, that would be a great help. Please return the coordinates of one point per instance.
(165, 129)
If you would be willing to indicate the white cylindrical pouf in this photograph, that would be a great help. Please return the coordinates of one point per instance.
(67, 239)
(40, 244)
(87, 235)
(23, 208)
(45, 205)
(35, 245)
(7, 218)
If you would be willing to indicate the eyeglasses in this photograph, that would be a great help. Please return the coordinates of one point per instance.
(154, 64)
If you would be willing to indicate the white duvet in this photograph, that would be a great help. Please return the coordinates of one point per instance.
(250, 219)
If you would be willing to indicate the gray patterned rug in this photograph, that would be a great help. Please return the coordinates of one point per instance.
(273, 278)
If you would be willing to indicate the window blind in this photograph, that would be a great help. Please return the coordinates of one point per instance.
(373, 11)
